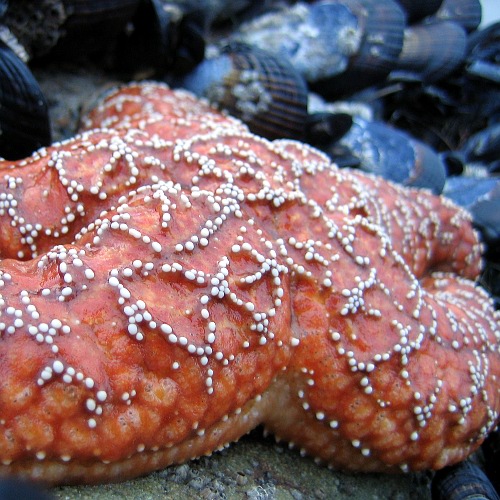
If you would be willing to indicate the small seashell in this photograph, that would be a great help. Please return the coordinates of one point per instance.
(462, 481)
(431, 51)
(416, 10)
(266, 92)
(467, 13)
(24, 119)
(391, 153)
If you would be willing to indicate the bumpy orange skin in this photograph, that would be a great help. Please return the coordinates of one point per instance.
(170, 281)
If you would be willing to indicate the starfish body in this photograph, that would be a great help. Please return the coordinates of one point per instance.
(189, 281)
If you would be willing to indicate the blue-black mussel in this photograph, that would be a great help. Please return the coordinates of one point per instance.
(378, 148)
(24, 118)
(466, 13)
(481, 196)
(483, 54)
(162, 37)
(430, 52)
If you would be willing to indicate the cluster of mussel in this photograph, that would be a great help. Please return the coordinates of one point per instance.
(406, 89)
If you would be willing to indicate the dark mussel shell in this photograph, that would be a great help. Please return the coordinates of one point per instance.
(431, 51)
(485, 43)
(486, 214)
(91, 25)
(13, 488)
(480, 152)
(483, 54)
(490, 281)
(485, 70)
(491, 445)
(68, 28)
(462, 481)
(484, 147)
(24, 119)
(3, 7)
(391, 153)
(219, 12)
(418, 9)
(445, 113)
(162, 37)
(267, 93)
(467, 190)
(481, 196)
(323, 128)
(381, 24)
(467, 13)
(338, 45)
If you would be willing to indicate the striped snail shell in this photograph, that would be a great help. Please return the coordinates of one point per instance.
(266, 92)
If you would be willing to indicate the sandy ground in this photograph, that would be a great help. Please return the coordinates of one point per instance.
(255, 467)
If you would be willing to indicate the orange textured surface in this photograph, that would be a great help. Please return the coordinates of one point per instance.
(169, 281)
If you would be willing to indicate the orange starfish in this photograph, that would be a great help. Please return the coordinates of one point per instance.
(185, 281)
